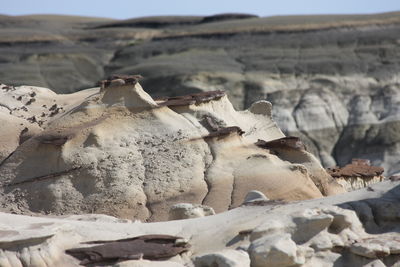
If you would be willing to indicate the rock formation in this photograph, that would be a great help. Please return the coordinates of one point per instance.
(119, 152)
(357, 175)
(350, 229)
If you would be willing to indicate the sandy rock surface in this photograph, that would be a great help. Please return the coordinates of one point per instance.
(119, 152)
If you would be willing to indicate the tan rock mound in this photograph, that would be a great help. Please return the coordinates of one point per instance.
(293, 150)
(119, 152)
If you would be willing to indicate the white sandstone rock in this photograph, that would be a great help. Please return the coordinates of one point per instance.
(274, 250)
(224, 258)
(254, 195)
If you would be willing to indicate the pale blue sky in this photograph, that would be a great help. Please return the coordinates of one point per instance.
(129, 9)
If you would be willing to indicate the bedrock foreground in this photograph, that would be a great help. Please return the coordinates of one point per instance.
(359, 228)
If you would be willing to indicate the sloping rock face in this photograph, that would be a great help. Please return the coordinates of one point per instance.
(333, 80)
(119, 152)
(307, 233)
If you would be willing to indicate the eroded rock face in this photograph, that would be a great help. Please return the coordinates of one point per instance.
(121, 153)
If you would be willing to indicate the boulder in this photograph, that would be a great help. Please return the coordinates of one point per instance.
(274, 250)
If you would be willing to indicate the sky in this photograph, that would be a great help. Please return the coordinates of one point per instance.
(123, 9)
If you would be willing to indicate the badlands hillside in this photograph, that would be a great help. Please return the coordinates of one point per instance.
(219, 160)
(110, 176)
(333, 80)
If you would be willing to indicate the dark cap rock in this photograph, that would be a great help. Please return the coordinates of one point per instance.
(119, 80)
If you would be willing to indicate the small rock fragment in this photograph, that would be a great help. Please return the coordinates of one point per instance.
(262, 107)
(192, 99)
(187, 210)
(394, 178)
(30, 101)
(116, 83)
(226, 131)
(120, 80)
(32, 119)
(53, 107)
(287, 142)
(254, 195)
(370, 250)
(57, 140)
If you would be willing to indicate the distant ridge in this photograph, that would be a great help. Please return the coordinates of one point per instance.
(167, 21)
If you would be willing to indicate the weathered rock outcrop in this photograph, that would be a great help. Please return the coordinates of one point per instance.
(119, 152)
(307, 233)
